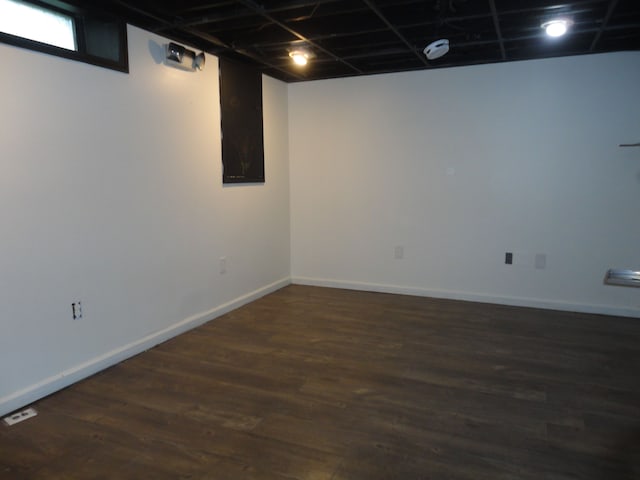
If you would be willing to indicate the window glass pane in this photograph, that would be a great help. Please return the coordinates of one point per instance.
(36, 23)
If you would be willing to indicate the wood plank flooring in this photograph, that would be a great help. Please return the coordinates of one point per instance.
(322, 384)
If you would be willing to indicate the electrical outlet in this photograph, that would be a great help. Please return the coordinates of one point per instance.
(76, 310)
(223, 265)
(398, 252)
(20, 416)
(508, 258)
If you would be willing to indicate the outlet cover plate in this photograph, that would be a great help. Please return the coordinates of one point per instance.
(20, 416)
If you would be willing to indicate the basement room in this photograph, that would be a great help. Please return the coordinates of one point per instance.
(320, 240)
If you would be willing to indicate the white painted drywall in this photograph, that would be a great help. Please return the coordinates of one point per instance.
(111, 193)
(459, 166)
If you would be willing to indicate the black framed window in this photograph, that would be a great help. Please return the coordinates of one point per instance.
(65, 30)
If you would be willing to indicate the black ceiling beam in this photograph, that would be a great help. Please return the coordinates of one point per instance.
(204, 19)
(260, 10)
(477, 16)
(396, 32)
(142, 12)
(496, 23)
(213, 40)
(207, 6)
(210, 38)
(612, 6)
(290, 5)
(315, 38)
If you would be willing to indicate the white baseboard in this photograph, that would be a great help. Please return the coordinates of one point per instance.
(471, 297)
(49, 385)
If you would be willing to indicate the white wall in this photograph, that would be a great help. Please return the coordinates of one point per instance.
(111, 193)
(459, 166)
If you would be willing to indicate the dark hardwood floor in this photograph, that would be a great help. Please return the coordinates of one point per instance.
(317, 384)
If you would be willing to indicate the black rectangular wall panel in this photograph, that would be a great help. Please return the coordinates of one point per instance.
(241, 112)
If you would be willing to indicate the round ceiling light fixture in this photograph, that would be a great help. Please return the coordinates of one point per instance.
(557, 27)
(300, 57)
(436, 49)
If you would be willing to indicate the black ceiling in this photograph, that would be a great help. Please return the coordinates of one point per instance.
(359, 37)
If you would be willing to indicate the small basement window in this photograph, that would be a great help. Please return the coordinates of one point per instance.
(37, 23)
(57, 28)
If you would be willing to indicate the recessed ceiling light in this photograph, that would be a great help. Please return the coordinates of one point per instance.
(300, 57)
(556, 28)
